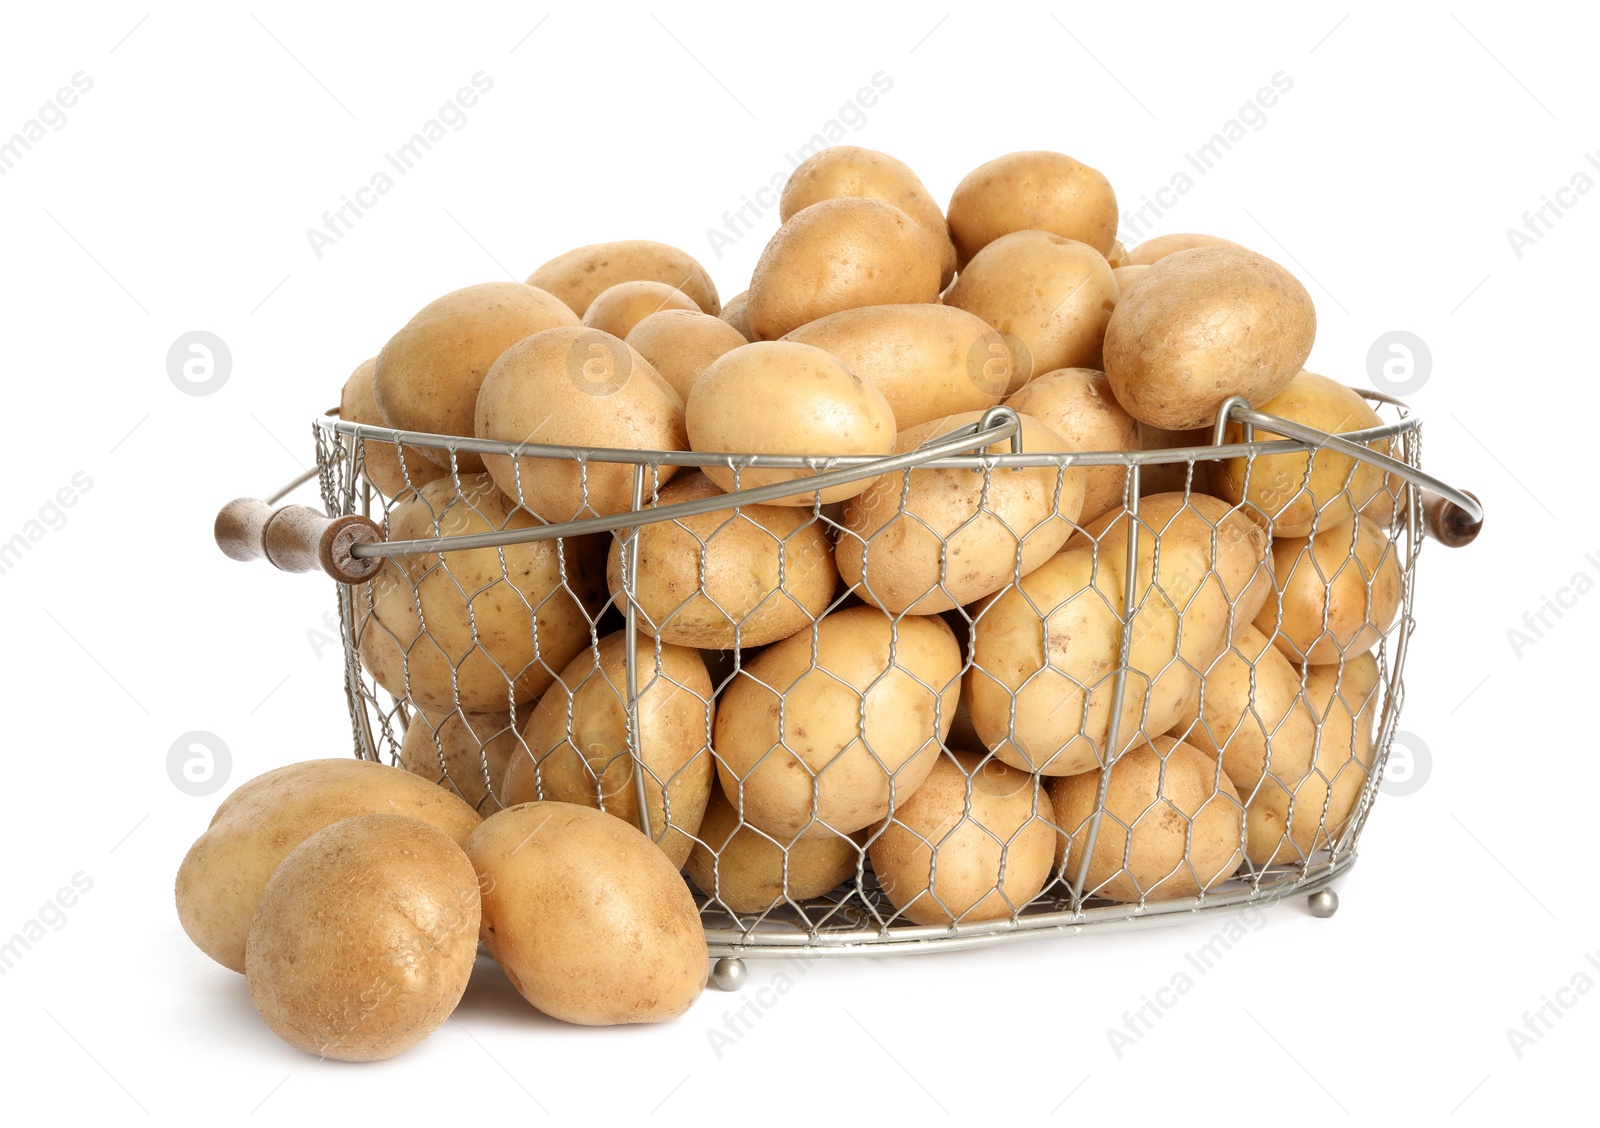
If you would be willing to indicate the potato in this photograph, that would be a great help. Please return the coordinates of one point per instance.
(1173, 477)
(224, 873)
(816, 747)
(680, 344)
(1172, 827)
(747, 871)
(1051, 298)
(464, 752)
(1159, 247)
(584, 273)
(1294, 493)
(428, 375)
(589, 921)
(1336, 594)
(929, 361)
(1204, 325)
(840, 254)
(578, 748)
(618, 309)
(1077, 404)
(391, 469)
(1128, 278)
(1117, 256)
(727, 578)
(1032, 191)
(737, 314)
(926, 541)
(576, 387)
(975, 842)
(781, 397)
(365, 938)
(847, 170)
(1045, 651)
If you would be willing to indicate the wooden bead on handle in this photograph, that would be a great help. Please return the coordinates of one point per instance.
(298, 539)
(1447, 522)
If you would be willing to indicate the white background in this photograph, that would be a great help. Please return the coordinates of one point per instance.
(177, 197)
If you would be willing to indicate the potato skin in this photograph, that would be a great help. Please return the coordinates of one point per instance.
(223, 875)
(680, 345)
(939, 856)
(381, 460)
(744, 869)
(470, 745)
(1032, 191)
(1331, 574)
(588, 919)
(586, 708)
(620, 308)
(741, 557)
(1204, 325)
(365, 938)
(1158, 247)
(580, 275)
(1128, 278)
(1077, 404)
(737, 314)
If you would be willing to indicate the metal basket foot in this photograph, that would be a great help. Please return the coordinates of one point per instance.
(728, 973)
(1323, 903)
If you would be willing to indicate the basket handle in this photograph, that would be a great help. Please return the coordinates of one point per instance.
(297, 538)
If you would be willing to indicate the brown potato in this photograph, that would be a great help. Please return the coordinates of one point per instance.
(1336, 593)
(618, 309)
(1160, 246)
(1173, 477)
(1204, 325)
(1128, 278)
(464, 752)
(1077, 404)
(428, 375)
(391, 469)
(365, 938)
(1032, 191)
(580, 275)
(589, 921)
(1117, 256)
(748, 871)
(737, 314)
(680, 345)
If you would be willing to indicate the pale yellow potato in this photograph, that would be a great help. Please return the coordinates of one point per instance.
(422, 637)
(748, 871)
(576, 387)
(1128, 278)
(975, 842)
(589, 921)
(1204, 325)
(580, 275)
(1336, 593)
(391, 470)
(816, 775)
(737, 314)
(1032, 191)
(1160, 246)
(722, 580)
(924, 541)
(1173, 477)
(848, 170)
(465, 752)
(365, 938)
(782, 397)
(1117, 256)
(1173, 824)
(224, 873)
(1294, 493)
(928, 360)
(680, 344)
(428, 375)
(620, 308)
(1077, 404)
(1050, 297)
(841, 254)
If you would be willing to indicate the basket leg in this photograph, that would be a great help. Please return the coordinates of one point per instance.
(1323, 903)
(728, 973)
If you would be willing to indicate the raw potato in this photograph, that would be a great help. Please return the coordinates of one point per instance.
(1077, 404)
(583, 273)
(1159, 247)
(1213, 577)
(466, 753)
(577, 738)
(1117, 256)
(1294, 493)
(589, 921)
(365, 938)
(1050, 297)
(680, 345)
(1337, 593)
(745, 869)
(1204, 325)
(926, 541)
(929, 361)
(781, 397)
(847, 170)
(427, 377)
(722, 580)
(1032, 191)
(576, 387)
(529, 613)
(1128, 278)
(819, 756)
(623, 306)
(1172, 827)
(840, 254)
(1173, 477)
(940, 856)
(224, 873)
(737, 314)
(391, 470)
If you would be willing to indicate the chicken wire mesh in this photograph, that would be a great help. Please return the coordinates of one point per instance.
(950, 708)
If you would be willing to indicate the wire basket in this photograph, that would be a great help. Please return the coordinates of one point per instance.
(586, 658)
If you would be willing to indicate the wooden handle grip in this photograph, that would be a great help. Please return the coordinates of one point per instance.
(1447, 522)
(298, 539)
